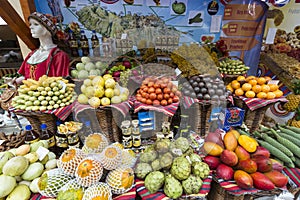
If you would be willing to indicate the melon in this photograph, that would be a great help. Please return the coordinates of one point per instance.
(98, 191)
(88, 172)
(69, 160)
(111, 157)
(120, 180)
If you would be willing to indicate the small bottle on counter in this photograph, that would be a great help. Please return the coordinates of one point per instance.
(31, 136)
(47, 135)
(136, 135)
(73, 140)
(126, 134)
(61, 141)
(73, 44)
(84, 44)
(95, 44)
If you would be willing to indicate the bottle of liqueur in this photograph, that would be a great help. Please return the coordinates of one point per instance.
(73, 44)
(84, 44)
(31, 136)
(136, 135)
(95, 44)
(47, 135)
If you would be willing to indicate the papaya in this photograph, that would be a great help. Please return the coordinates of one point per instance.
(248, 143)
(279, 179)
(248, 165)
(241, 153)
(230, 141)
(243, 179)
(212, 148)
(261, 181)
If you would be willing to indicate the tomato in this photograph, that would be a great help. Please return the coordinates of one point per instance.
(138, 91)
(160, 97)
(170, 101)
(143, 100)
(165, 80)
(175, 99)
(151, 90)
(163, 85)
(139, 98)
(170, 85)
(138, 95)
(144, 94)
(166, 96)
(156, 85)
(158, 91)
(145, 89)
(172, 95)
(150, 84)
(142, 87)
(178, 93)
(174, 88)
(149, 101)
(156, 102)
(145, 82)
(163, 102)
(166, 90)
(152, 96)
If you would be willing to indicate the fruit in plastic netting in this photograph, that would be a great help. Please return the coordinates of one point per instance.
(99, 91)
(87, 82)
(83, 74)
(109, 92)
(85, 59)
(80, 66)
(74, 73)
(83, 99)
(94, 102)
(110, 83)
(98, 81)
(105, 101)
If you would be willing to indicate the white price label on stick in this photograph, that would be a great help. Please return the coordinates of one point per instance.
(42, 152)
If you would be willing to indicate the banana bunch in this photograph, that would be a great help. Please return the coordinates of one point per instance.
(293, 102)
(47, 93)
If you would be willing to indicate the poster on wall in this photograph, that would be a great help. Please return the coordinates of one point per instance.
(242, 29)
(140, 20)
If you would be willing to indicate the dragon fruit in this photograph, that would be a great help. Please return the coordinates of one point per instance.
(181, 168)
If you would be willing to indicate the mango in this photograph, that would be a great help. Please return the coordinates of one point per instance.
(264, 163)
(261, 151)
(276, 165)
(261, 181)
(248, 143)
(279, 179)
(22, 150)
(243, 179)
(248, 166)
(229, 158)
(212, 148)
(230, 141)
(212, 161)
(225, 172)
(241, 153)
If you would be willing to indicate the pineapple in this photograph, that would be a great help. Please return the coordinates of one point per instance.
(98, 191)
(88, 172)
(111, 157)
(52, 181)
(120, 180)
(95, 143)
(69, 160)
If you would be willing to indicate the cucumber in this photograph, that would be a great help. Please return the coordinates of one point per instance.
(289, 132)
(294, 129)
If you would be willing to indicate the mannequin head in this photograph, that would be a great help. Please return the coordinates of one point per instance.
(39, 20)
(37, 29)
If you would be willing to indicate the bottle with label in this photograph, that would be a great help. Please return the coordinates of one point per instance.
(95, 44)
(184, 126)
(61, 141)
(126, 134)
(73, 44)
(73, 140)
(31, 136)
(136, 135)
(48, 136)
(84, 44)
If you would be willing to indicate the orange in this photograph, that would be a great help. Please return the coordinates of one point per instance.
(250, 94)
(241, 78)
(250, 78)
(256, 88)
(252, 82)
(235, 84)
(229, 87)
(271, 95)
(239, 92)
(268, 78)
(261, 95)
(261, 80)
(273, 87)
(265, 88)
(246, 87)
(278, 93)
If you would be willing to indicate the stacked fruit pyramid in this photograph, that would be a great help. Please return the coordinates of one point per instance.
(239, 157)
(173, 166)
(97, 171)
(252, 87)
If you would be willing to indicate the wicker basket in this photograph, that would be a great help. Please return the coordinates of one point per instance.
(252, 118)
(199, 114)
(218, 193)
(227, 78)
(38, 118)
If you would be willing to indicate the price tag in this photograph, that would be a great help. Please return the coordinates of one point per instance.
(63, 85)
(42, 152)
(175, 83)
(275, 82)
(178, 71)
(177, 152)
(124, 36)
(271, 35)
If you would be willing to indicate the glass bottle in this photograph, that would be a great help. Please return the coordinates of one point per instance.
(73, 44)
(31, 136)
(48, 136)
(136, 135)
(184, 126)
(61, 141)
(84, 43)
(95, 44)
(126, 134)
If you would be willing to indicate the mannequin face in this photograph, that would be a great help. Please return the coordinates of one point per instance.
(37, 29)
